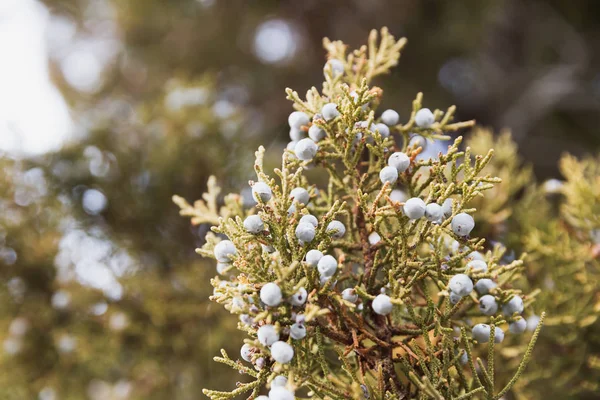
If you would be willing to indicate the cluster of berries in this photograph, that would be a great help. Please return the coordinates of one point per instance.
(274, 314)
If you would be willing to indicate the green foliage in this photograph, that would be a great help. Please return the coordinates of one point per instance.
(556, 224)
(351, 350)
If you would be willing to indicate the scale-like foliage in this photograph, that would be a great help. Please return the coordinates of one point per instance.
(389, 312)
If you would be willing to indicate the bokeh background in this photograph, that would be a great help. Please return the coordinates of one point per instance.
(109, 107)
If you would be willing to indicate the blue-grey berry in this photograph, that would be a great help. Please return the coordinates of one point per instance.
(312, 257)
(400, 161)
(461, 284)
(270, 294)
(262, 191)
(434, 213)
(337, 66)
(300, 318)
(518, 326)
(324, 279)
(306, 149)
(316, 133)
(336, 229)
(254, 224)
(454, 298)
(398, 195)
(281, 393)
(382, 304)
(297, 134)
(305, 232)
(514, 305)
(291, 145)
(297, 119)
(330, 111)
(447, 207)
(267, 248)
(424, 118)
(462, 224)
(389, 175)
(390, 117)
(309, 219)
(483, 286)
(475, 255)
(414, 208)
(417, 141)
(224, 251)
(464, 358)
(298, 331)
(246, 352)
(299, 298)
(260, 363)
(498, 335)
(477, 265)
(222, 267)
(488, 305)
(282, 353)
(374, 238)
(291, 210)
(383, 129)
(300, 195)
(327, 266)
(532, 322)
(267, 335)
(262, 397)
(279, 381)
(350, 295)
(246, 319)
(481, 333)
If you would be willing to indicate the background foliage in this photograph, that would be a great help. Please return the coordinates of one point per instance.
(525, 65)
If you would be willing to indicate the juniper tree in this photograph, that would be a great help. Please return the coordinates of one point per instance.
(365, 289)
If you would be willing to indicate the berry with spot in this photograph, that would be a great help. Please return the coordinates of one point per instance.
(254, 224)
(488, 305)
(330, 111)
(350, 295)
(336, 229)
(298, 331)
(434, 213)
(312, 257)
(246, 352)
(462, 224)
(267, 335)
(299, 298)
(262, 191)
(400, 161)
(461, 284)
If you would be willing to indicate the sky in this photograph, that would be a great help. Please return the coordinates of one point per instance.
(34, 117)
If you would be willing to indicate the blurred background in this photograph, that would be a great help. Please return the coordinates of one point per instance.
(109, 107)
